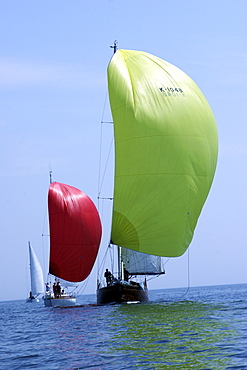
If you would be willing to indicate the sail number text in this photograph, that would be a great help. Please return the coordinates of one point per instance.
(172, 91)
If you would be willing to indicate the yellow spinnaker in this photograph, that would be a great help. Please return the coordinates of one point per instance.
(166, 147)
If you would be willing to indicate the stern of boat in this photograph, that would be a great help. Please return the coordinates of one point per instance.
(122, 292)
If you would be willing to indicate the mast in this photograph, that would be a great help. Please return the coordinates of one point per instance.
(120, 267)
(120, 263)
(114, 46)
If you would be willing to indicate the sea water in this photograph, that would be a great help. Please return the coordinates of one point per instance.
(206, 328)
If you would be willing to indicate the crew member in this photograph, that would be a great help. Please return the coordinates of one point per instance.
(108, 277)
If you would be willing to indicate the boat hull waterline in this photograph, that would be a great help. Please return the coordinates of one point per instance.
(32, 300)
(122, 292)
(64, 300)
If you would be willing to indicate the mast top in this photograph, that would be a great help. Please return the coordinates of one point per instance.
(50, 174)
(114, 47)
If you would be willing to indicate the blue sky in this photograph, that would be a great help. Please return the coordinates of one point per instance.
(53, 60)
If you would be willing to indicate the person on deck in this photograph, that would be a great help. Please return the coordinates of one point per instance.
(108, 277)
(126, 274)
(55, 289)
(31, 295)
(58, 288)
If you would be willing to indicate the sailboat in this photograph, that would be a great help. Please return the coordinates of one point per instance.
(166, 148)
(75, 234)
(36, 276)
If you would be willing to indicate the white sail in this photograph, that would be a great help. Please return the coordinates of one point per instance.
(137, 263)
(36, 274)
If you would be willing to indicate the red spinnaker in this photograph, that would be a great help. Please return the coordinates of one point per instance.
(75, 232)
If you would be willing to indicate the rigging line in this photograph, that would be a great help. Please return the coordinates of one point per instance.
(83, 286)
(103, 112)
(164, 263)
(44, 243)
(188, 274)
(102, 261)
(112, 254)
(103, 177)
(100, 144)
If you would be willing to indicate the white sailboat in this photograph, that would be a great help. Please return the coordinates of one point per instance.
(36, 277)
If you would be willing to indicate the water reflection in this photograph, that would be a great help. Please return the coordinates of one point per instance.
(76, 339)
(179, 333)
(207, 331)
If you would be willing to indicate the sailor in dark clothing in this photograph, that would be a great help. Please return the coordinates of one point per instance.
(126, 274)
(58, 288)
(55, 289)
(108, 277)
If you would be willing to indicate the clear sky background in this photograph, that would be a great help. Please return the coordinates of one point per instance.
(53, 61)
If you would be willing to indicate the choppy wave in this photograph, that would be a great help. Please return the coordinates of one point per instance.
(206, 329)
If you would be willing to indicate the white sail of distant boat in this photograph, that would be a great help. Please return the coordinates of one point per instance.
(36, 276)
